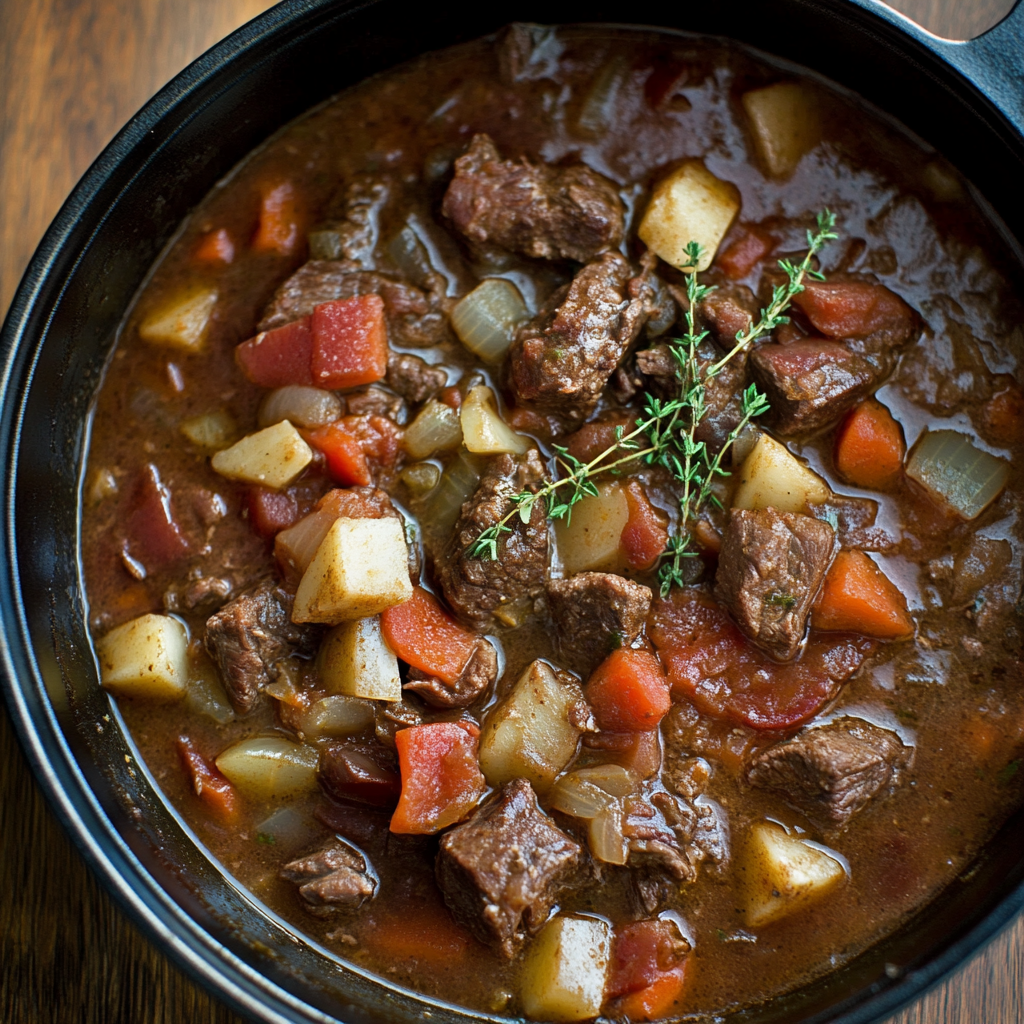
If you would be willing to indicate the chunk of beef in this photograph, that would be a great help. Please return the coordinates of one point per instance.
(375, 401)
(202, 594)
(534, 209)
(390, 717)
(363, 772)
(769, 571)
(414, 317)
(810, 383)
(561, 359)
(249, 635)
(413, 379)
(476, 588)
(595, 613)
(353, 234)
(335, 877)
(476, 678)
(501, 871)
(831, 772)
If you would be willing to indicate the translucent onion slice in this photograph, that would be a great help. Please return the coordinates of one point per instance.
(598, 110)
(337, 715)
(436, 429)
(458, 482)
(486, 319)
(579, 797)
(483, 429)
(305, 407)
(613, 779)
(210, 431)
(421, 477)
(297, 545)
(206, 695)
(952, 470)
(270, 767)
(607, 842)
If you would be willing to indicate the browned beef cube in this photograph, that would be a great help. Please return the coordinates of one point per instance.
(477, 588)
(376, 401)
(353, 235)
(249, 635)
(476, 678)
(769, 571)
(810, 383)
(502, 870)
(412, 378)
(561, 359)
(595, 613)
(534, 209)
(728, 310)
(363, 772)
(832, 771)
(332, 878)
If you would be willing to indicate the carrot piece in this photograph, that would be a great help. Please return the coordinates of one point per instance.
(629, 692)
(709, 539)
(346, 460)
(857, 597)
(647, 970)
(656, 1001)
(853, 309)
(425, 636)
(208, 783)
(645, 534)
(216, 247)
(441, 777)
(744, 253)
(278, 357)
(424, 934)
(278, 229)
(1002, 416)
(350, 342)
(378, 436)
(869, 447)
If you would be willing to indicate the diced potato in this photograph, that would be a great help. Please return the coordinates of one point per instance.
(483, 429)
(783, 874)
(360, 568)
(591, 540)
(772, 475)
(530, 734)
(564, 973)
(271, 458)
(270, 767)
(332, 716)
(785, 125)
(689, 205)
(355, 660)
(211, 431)
(147, 657)
(182, 322)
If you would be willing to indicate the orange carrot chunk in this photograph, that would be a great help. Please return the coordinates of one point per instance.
(647, 971)
(441, 777)
(346, 460)
(629, 692)
(857, 597)
(216, 247)
(645, 534)
(350, 342)
(869, 446)
(425, 636)
(208, 783)
(278, 229)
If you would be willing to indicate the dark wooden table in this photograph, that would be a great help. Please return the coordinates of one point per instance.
(71, 72)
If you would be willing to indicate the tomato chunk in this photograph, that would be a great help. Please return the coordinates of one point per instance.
(278, 229)
(647, 970)
(216, 247)
(857, 597)
(441, 777)
(744, 253)
(645, 534)
(425, 636)
(853, 309)
(276, 358)
(710, 662)
(350, 342)
(270, 512)
(346, 460)
(208, 783)
(153, 537)
(869, 446)
(629, 692)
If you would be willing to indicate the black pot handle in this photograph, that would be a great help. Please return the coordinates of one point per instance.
(993, 62)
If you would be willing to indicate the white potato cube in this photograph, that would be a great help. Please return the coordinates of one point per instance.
(484, 431)
(783, 874)
(689, 205)
(270, 767)
(147, 657)
(564, 973)
(360, 568)
(785, 125)
(530, 734)
(182, 322)
(271, 458)
(591, 540)
(772, 476)
(355, 660)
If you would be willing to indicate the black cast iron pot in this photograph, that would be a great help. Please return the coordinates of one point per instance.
(967, 99)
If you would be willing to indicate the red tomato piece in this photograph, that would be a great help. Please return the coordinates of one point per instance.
(278, 229)
(638, 752)
(629, 692)
(378, 436)
(346, 460)
(744, 253)
(642, 953)
(350, 342)
(425, 636)
(645, 534)
(208, 783)
(710, 662)
(216, 247)
(272, 511)
(441, 777)
(153, 537)
(853, 309)
(451, 396)
(279, 357)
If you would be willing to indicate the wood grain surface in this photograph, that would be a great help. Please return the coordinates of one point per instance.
(71, 73)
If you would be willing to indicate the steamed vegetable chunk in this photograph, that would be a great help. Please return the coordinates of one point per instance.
(147, 657)
(785, 124)
(273, 457)
(486, 319)
(270, 767)
(360, 568)
(771, 476)
(591, 540)
(356, 660)
(956, 473)
(182, 322)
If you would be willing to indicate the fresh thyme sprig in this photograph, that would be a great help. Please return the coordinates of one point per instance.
(666, 433)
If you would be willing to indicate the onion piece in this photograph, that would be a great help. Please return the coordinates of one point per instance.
(296, 546)
(270, 767)
(336, 715)
(437, 428)
(210, 431)
(483, 429)
(458, 482)
(956, 473)
(303, 406)
(486, 319)
(607, 843)
(410, 256)
(612, 779)
(578, 797)
(598, 110)
(206, 695)
(421, 477)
